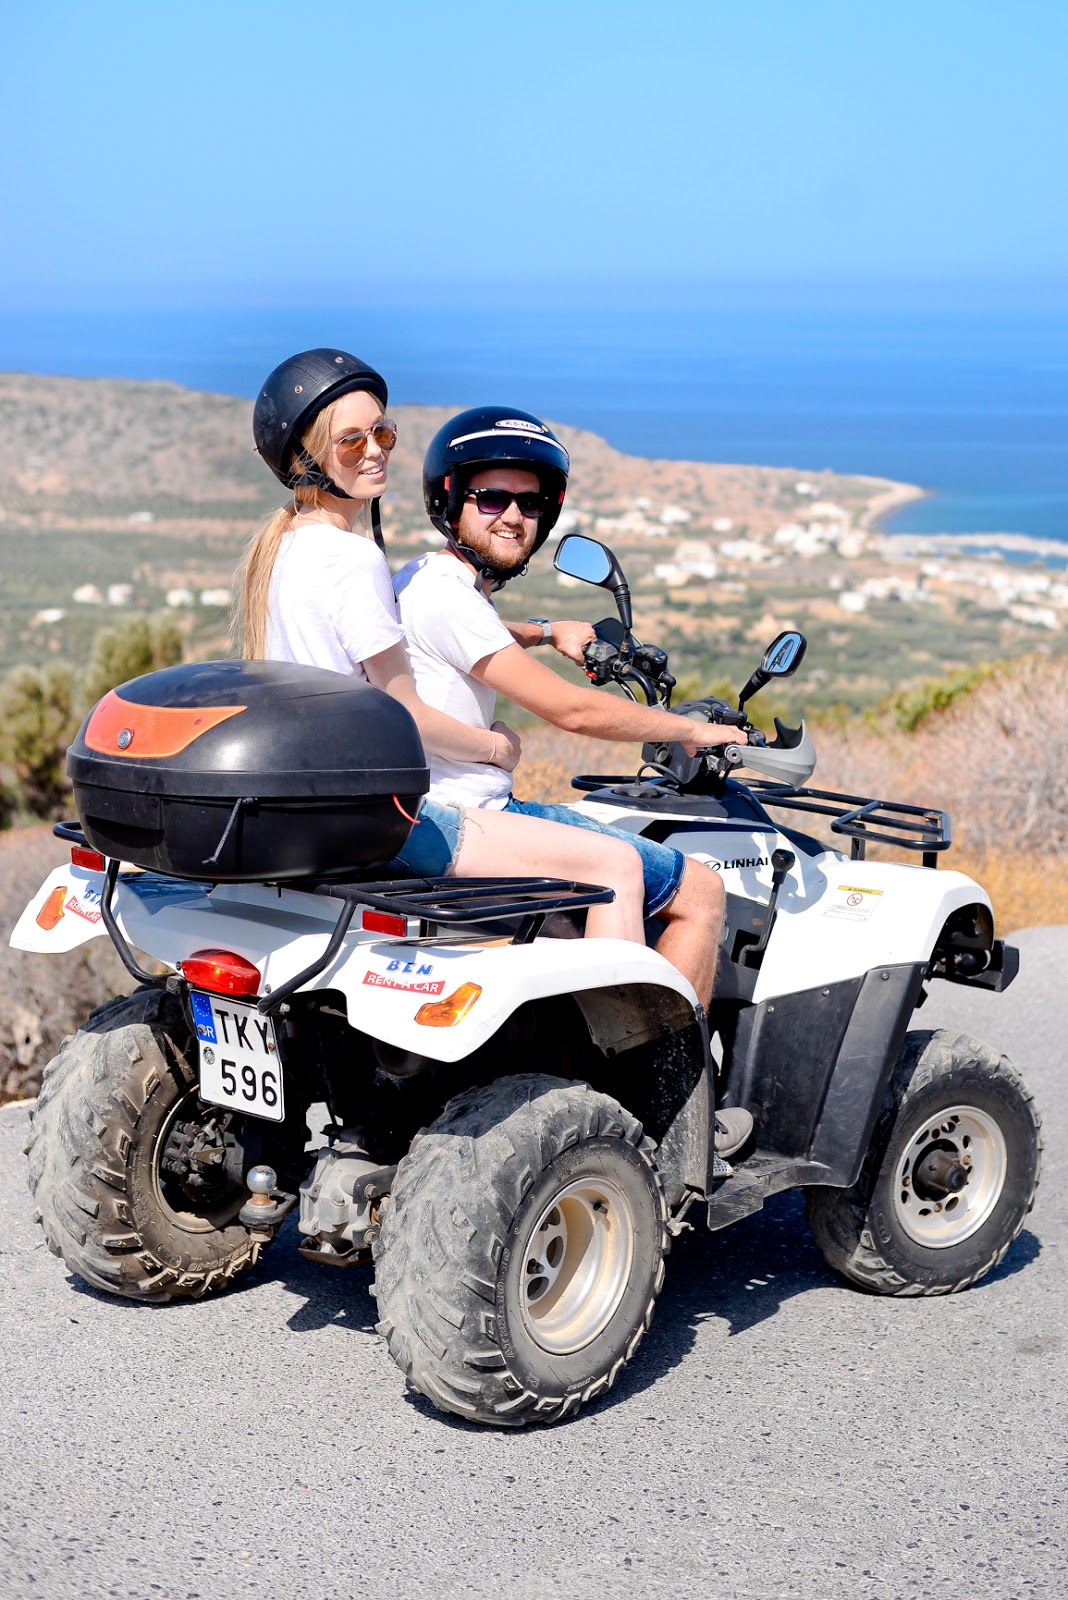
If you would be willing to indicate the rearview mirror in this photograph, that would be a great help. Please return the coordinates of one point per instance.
(784, 655)
(583, 558)
(782, 658)
(579, 557)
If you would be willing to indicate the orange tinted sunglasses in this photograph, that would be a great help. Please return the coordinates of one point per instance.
(352, 447)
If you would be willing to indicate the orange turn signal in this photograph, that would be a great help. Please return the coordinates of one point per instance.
(52, 911)
(454, 1007)
(221, 972)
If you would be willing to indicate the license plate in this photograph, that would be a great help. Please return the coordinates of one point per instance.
(239, 1064)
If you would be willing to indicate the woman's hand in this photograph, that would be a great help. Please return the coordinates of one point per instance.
(507, 747)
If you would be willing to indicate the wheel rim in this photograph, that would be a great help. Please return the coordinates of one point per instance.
(958, 1146)
(216, 1202)
(576, 1265)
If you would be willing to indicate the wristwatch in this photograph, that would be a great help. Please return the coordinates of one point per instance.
(546, 629)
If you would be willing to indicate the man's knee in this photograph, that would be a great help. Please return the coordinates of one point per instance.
(699, 897)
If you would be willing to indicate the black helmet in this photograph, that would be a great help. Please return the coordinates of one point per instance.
(491, 436)
(290, 399)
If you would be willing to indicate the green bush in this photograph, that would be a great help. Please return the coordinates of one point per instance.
(41, 709)
(908, 709)
(38, 719)
(129, 650)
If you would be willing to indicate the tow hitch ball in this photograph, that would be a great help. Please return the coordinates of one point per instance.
(261, 1210)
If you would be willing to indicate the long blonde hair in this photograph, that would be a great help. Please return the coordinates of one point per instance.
(248, 622)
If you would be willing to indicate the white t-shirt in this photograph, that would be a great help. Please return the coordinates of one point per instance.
(449, 625)
(331, 601)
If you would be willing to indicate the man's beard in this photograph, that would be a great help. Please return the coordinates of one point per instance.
(503, 557)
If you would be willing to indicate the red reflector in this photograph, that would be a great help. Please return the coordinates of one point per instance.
(81, 857)
(221, 972)
(383, 922)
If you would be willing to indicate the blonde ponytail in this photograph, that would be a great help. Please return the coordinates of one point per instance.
(248, 622)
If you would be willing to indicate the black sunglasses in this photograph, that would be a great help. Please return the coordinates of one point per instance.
(494, 502)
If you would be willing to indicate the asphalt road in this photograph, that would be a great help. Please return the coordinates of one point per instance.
(780, 1434)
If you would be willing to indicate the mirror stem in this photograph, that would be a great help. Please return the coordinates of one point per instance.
(621, 589)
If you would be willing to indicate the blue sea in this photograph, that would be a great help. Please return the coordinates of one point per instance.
(971, 405)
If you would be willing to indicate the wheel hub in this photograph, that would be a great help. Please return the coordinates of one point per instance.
(576, 1265)
(950, 1176)
(193, 1166)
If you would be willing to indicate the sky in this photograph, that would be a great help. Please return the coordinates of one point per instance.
(256, 153)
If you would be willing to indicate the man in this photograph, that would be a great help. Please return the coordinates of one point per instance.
(493, 483)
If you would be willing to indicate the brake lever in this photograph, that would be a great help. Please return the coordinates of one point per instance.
(623, 670)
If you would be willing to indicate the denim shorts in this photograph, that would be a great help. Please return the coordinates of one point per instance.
(434, 843)
(662, 866)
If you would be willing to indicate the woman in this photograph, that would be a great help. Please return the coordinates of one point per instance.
(315, 589)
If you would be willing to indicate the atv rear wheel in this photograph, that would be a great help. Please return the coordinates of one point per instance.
(136, 1180)
(521, 1251)
(949, 1177)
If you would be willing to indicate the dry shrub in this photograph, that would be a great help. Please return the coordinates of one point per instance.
(1025, 893)
(42, 998)
(997, 762)
(551, 758)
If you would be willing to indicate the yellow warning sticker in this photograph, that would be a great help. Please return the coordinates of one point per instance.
(851, 903)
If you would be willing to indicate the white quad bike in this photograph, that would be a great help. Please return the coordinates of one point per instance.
(518, 1121)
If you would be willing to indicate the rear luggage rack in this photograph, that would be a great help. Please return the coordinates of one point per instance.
(445, 902)
(436, 902)
(859, 818)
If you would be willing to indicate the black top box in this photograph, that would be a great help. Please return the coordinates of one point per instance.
(238, 771)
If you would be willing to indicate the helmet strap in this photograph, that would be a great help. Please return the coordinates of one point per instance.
(376, 524)
(497, 576)
(312, 476)
(444, 523)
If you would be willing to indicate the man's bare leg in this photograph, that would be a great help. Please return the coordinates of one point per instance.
(693, 922)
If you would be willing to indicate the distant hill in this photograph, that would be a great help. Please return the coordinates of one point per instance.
(111, 447)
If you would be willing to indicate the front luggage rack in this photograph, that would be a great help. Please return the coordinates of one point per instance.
(920, 827)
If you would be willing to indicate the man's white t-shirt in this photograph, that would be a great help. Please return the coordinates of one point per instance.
(330, 602)
(450, 625)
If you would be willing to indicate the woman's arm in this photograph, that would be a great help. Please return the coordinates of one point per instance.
(441, 734)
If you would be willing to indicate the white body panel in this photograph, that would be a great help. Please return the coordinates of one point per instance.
(837, 918)
(384, 980)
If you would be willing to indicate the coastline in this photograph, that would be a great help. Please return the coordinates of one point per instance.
(1013, 543)
(911, 543)
(888, 500)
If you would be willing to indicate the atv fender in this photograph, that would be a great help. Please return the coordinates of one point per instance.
(63, 914)
(613, 981)
(819, 938)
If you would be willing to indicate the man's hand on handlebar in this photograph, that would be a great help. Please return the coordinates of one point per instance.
(696, 736)
(571, 639)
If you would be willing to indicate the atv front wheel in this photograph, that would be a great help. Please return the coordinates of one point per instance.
(521, 1251)
(137, 1181)
(949, 1177)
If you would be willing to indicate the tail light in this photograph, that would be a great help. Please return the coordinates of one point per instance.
(453, 1009)
(220, 972)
